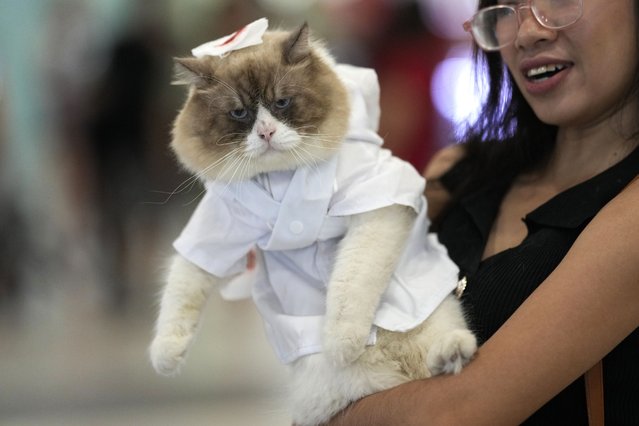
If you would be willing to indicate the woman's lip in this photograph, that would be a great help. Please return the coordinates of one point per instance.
(543, 86)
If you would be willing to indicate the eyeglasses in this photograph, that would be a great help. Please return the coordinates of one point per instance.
(496, 27)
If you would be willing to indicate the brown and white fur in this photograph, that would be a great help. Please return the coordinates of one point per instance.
(273, 107)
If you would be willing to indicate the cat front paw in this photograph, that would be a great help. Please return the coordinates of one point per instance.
(168, 353)
(344, 343)
(451, 352)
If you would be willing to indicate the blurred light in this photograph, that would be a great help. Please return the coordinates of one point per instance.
(455, 93)
(446, 17)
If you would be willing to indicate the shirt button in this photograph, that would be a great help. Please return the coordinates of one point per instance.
(296, 227)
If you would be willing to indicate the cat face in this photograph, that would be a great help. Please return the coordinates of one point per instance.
(274, 106)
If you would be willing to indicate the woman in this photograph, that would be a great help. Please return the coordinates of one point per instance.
(552, 294)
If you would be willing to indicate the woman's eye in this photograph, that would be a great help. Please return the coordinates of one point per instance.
(239, 114)
(282, 103)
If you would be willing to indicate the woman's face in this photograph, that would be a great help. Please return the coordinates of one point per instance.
(594, 59)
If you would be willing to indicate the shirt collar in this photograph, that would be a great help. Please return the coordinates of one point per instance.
(576, 206)
(571, 209)
(482, 207)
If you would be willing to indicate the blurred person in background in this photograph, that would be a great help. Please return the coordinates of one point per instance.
(125, 129)
(13, 237)
(392, 38)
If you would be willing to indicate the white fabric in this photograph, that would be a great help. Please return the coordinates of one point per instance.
(296, 219)
(250, 35)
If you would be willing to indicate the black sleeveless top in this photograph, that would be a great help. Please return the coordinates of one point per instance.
(499, 284)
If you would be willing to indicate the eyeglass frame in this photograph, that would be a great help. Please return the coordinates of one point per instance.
(468, 25)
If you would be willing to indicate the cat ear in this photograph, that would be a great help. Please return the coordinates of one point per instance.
(192, 71)
(297, 47)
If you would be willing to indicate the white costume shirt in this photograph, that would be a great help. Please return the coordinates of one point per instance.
(296, 219)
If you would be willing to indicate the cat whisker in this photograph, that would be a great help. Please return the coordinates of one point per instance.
(187, 184)
(299, 150)
(242, 167)
(246, 170)
(211, 100)
(197, 197)
(319, 144)
(233, 159)
(240, 161)
(321, 147)
(229, 135)
(202, 174)
(298, 87)
(317, 134)
(197, 177)
(317, 137)
(233, 165)
(310, 126)
(225, 84)
(282, 77)
(309, 160)
(302, 160)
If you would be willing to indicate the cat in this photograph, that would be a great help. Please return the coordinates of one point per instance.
(355, 295)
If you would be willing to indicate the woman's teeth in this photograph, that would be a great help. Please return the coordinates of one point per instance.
(544, 71)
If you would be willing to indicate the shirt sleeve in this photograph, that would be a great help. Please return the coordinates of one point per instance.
(369, 178)
(219, 234)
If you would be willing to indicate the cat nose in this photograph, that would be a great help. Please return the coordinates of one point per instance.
(265, 131)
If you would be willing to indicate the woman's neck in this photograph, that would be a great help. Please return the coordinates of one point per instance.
(582, 153)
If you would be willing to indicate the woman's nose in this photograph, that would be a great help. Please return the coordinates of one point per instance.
(531, 33)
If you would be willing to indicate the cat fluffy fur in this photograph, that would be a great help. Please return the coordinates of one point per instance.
(321, 384)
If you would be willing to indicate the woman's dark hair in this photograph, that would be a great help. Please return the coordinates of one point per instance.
(507, 138)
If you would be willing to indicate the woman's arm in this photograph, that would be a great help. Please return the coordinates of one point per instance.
(441, 162)
(586, 307)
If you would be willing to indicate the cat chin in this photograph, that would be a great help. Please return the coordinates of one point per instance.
(276, 162)
(269, 161)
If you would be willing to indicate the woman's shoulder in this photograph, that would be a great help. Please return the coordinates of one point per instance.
(621, 207)
(437, 191)
(443, 161)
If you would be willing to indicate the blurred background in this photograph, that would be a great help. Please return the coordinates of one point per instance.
(86, 219)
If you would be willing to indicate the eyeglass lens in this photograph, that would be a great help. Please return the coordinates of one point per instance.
(497, 26)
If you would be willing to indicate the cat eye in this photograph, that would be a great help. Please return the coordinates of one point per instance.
(239, 114)
(282, 103)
